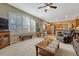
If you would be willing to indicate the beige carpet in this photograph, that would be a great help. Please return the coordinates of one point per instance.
(27, 48)
(66, 50)
(23, 48)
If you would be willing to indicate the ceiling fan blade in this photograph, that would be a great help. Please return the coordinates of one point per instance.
(45, 10)
(41, 7)
(48, 4)
(53, 7)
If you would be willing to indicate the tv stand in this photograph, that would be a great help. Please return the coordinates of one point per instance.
(4, 34)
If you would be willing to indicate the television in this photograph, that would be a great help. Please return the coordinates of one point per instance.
(3, 24)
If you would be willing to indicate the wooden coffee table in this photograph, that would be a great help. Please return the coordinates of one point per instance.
(40, 49)
(40, 45)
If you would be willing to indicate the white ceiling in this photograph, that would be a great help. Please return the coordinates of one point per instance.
(64, 11)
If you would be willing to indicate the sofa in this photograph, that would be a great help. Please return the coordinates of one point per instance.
(65, 36)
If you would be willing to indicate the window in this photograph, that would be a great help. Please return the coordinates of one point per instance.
(33, 25)
(21, 24)
(12, 23)
(26, 24)
(18, 23)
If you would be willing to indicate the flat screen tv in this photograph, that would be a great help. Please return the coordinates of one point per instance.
(3, 24)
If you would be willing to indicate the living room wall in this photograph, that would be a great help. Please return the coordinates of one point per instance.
(4, 12)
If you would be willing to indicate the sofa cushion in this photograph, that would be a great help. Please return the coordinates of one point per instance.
(51, 49)
(60, 38)
(54, 44)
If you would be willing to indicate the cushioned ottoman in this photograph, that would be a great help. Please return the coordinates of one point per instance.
(51, 49)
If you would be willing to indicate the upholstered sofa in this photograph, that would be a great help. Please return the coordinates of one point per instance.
(65, 36)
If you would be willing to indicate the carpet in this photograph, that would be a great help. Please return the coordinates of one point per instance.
(23, 48)
(66, 50)
(27, 48)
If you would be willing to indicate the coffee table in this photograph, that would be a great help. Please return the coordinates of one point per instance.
(41, 49)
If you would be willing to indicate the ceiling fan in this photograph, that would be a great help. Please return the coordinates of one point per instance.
(48, 6)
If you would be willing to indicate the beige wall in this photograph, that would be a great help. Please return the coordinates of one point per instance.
(5, 9)
(4, 12)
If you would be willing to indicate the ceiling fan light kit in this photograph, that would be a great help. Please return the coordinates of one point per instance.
(47, 7)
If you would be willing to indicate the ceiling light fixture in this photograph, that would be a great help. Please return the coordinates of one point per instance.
(47, 7)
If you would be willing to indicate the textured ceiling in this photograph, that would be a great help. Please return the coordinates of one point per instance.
(64, 11)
